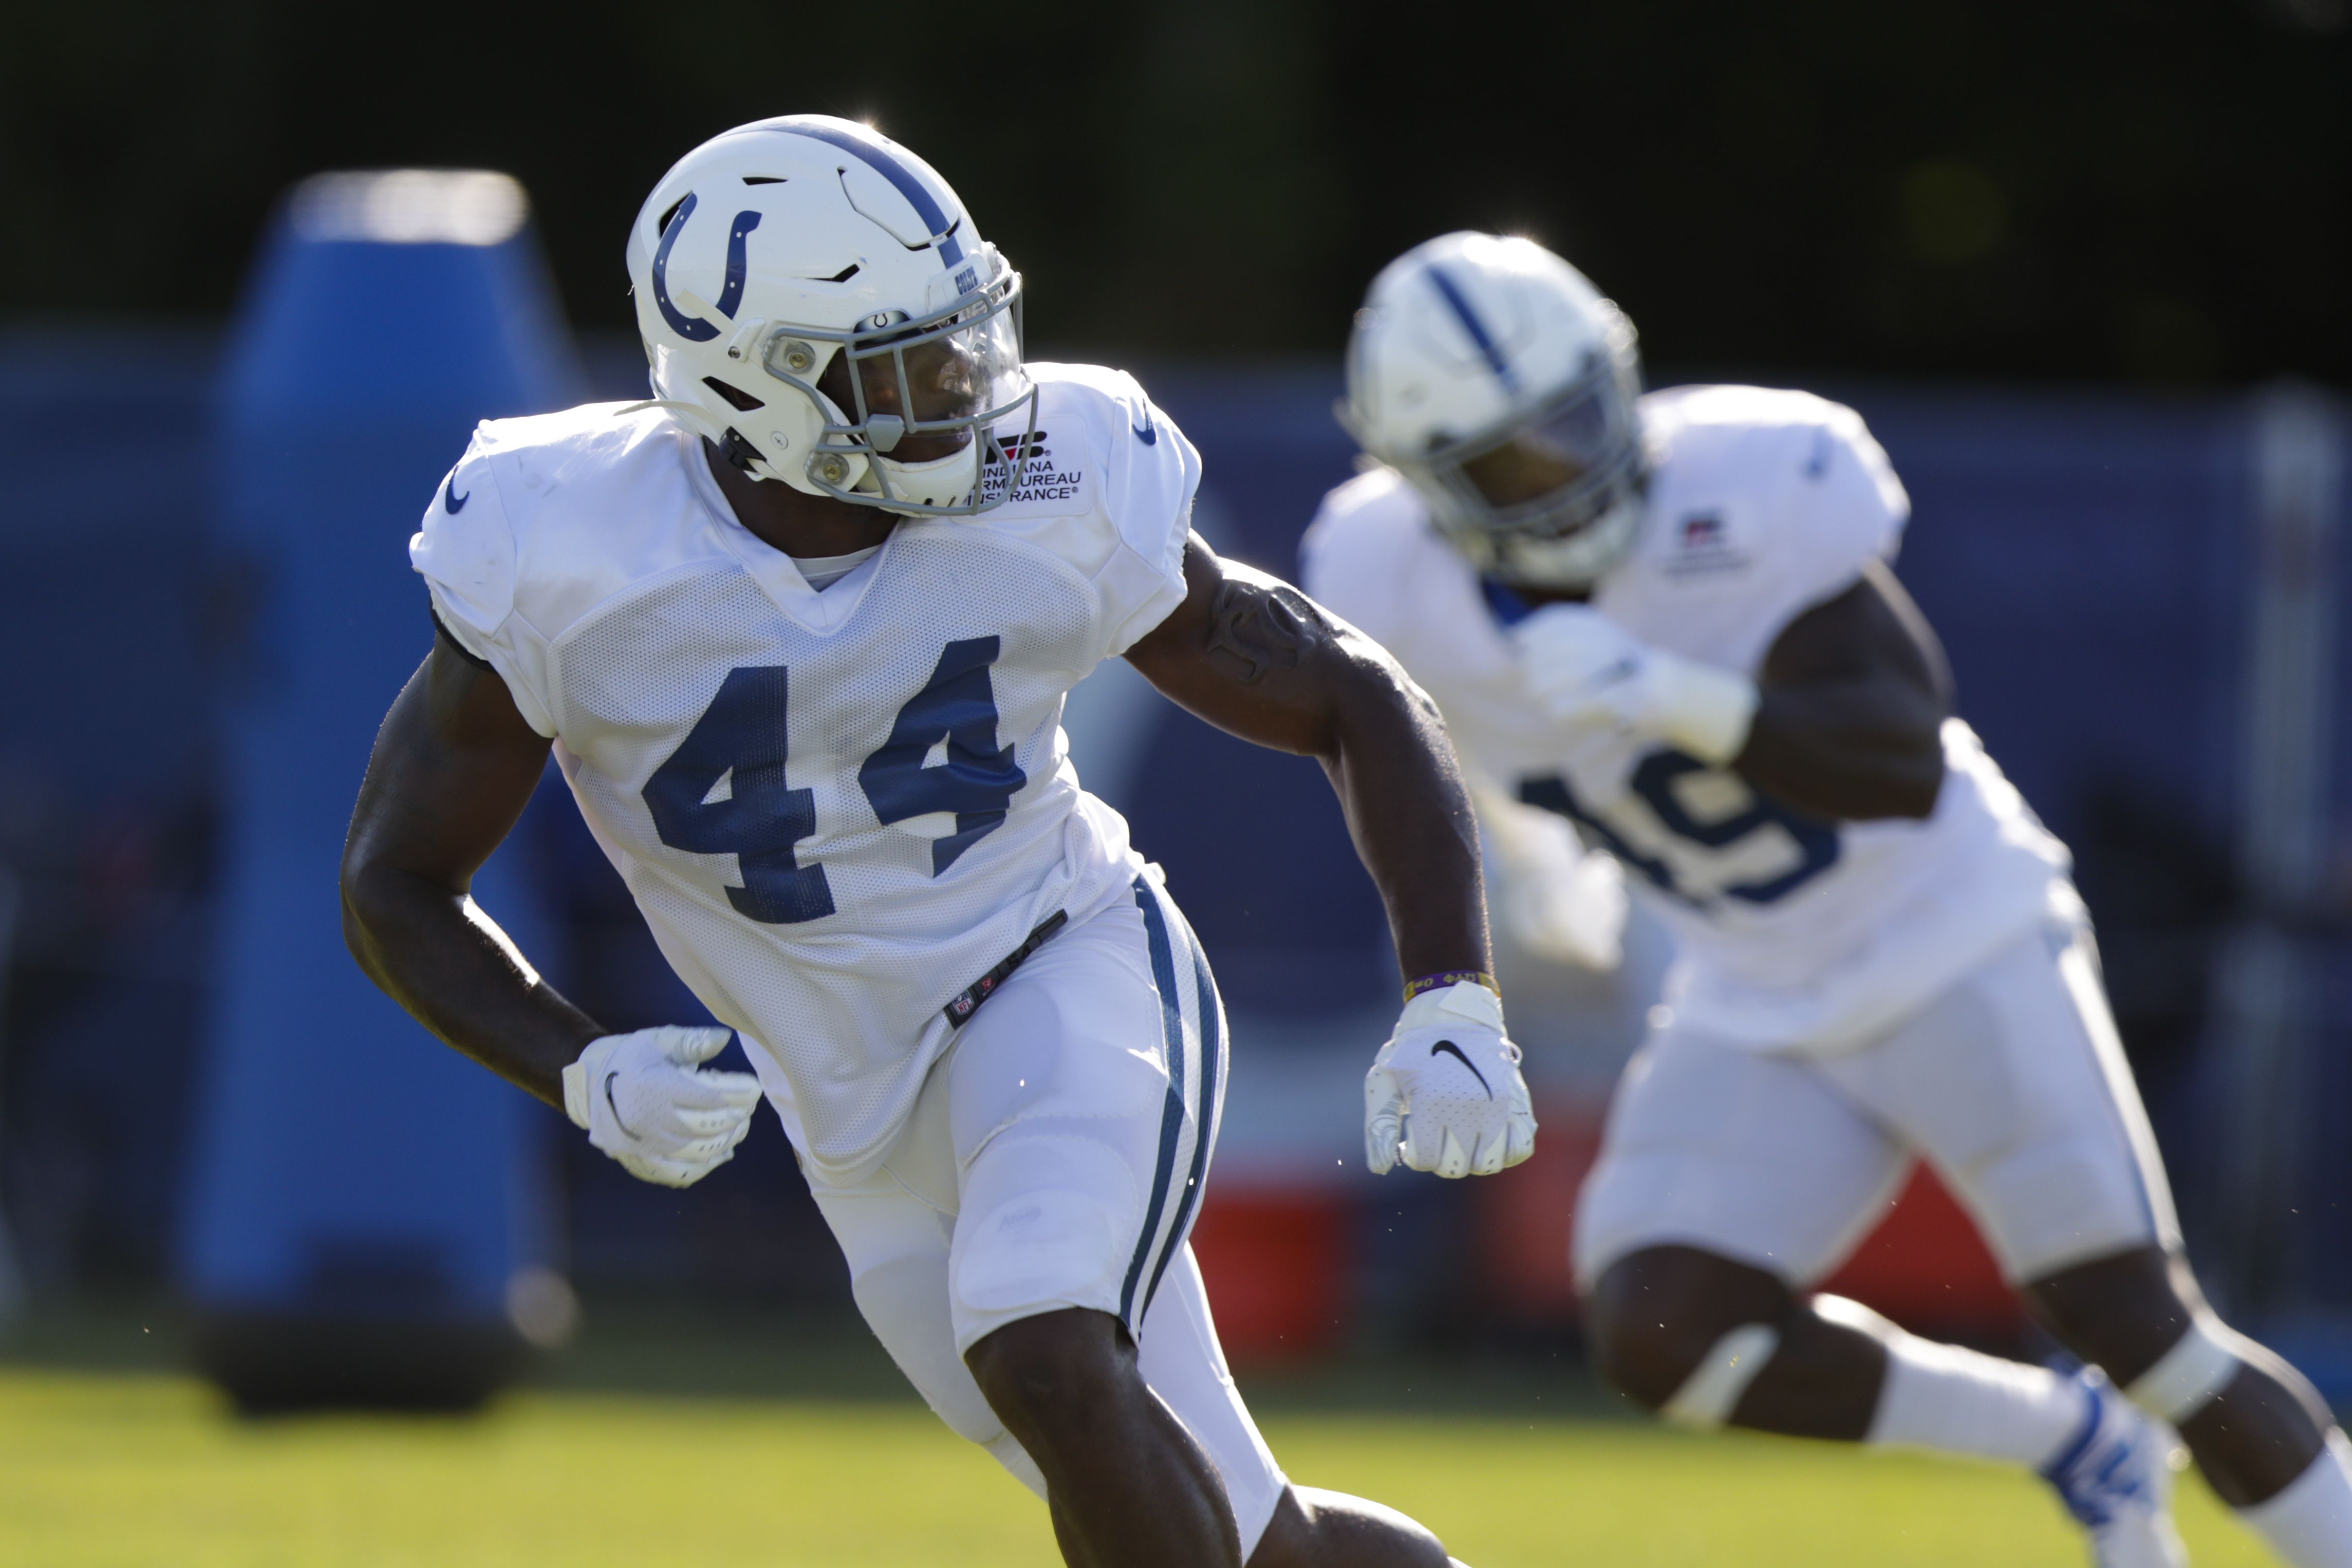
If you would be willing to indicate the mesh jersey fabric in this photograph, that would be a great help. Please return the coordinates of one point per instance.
(835, 811)
(1791, 932)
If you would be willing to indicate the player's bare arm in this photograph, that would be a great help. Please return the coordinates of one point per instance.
(1851, 704)
(1256, 658)
(453, 768)
(1844, 721)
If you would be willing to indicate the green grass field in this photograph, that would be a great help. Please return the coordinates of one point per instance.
(114, 1469)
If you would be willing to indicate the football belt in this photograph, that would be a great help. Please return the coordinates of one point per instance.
(967, 1001)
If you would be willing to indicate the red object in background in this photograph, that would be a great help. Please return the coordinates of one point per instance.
(1526, 1217)
(1926, 1268)
(1277, 1263)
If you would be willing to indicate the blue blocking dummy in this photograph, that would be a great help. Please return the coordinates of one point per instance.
(365, 1217)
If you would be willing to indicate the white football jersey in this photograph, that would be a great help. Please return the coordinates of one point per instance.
(1791, 931)
(836, 810)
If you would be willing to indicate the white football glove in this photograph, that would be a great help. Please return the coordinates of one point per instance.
(1446, 1094)
(645, 1102)
(1583, 670)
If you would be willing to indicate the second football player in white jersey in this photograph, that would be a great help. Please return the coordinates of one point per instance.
(1670, 620)
(798, 631)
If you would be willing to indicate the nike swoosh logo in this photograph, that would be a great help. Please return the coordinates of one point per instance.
(452, 500)
(1149, 433)
(1448, 1048)
(624, 1126)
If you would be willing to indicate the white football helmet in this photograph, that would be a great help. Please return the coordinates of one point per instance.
(1496, 378)
(815, 301)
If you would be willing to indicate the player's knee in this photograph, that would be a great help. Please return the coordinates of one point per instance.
(1048, 1375)
(2140, 1316)
(2124, 1312)
(1656, 1317)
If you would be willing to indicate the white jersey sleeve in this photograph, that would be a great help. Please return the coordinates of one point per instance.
(1763, 503)
(466, 551)
(1844, 510)
(1150, 472)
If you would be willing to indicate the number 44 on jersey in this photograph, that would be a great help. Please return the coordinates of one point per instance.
(760, 820)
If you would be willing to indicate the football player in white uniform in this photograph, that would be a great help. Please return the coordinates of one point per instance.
(798, 631)
(1670, 620)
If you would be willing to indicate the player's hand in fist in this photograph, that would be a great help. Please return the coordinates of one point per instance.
(646, 1101)
(1446, 1094)
(1583, 670)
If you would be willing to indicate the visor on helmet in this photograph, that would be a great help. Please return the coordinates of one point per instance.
(916, 397)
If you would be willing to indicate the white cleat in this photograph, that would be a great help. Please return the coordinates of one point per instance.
(2115, 1475)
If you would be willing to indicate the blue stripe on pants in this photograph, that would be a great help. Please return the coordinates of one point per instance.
(1172, 1116)
(1205, 1136)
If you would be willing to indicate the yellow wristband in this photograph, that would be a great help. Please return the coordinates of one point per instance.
(1445, 977)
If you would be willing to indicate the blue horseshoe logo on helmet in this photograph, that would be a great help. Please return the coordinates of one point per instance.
(730, 294)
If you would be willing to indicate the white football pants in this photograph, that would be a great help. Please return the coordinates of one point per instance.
(2011, 1084)
(1054, 1159)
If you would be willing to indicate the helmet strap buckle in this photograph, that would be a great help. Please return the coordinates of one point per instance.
(739, 451)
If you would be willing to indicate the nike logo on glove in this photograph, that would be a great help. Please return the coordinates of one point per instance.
(452, 500)
(624, 1126)
(1149, 433)
(1447, 1047)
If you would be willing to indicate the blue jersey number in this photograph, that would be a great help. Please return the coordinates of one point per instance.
(1654, 780)
(759, 821)
(957, 708)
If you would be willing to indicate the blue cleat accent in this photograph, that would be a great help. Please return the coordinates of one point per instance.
(2115, 1475)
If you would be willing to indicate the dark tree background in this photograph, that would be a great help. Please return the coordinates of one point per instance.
(2157, 190)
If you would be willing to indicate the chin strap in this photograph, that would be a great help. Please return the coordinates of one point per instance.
(740, 453)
